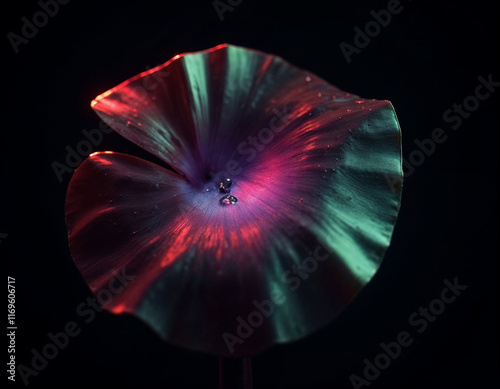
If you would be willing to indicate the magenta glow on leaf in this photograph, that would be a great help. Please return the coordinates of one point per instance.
(307, 216)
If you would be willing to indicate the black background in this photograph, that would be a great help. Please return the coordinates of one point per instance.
(428, 58)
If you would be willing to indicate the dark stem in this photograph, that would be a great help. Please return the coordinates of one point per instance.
(235, 373)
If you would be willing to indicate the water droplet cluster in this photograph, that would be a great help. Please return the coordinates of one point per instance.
(224, 186)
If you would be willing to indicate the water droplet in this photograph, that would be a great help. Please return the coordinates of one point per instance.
(224, 185)
(135, 212)
(129, 122)
(228, 200)
(301, 200)
(348, 110)
(359, 102)
(110, 201)
(319, 94)
(334, 96)
(308, 78)
(139, 124)
(135, 232)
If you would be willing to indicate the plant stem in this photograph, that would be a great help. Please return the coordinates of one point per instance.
(235, 373)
